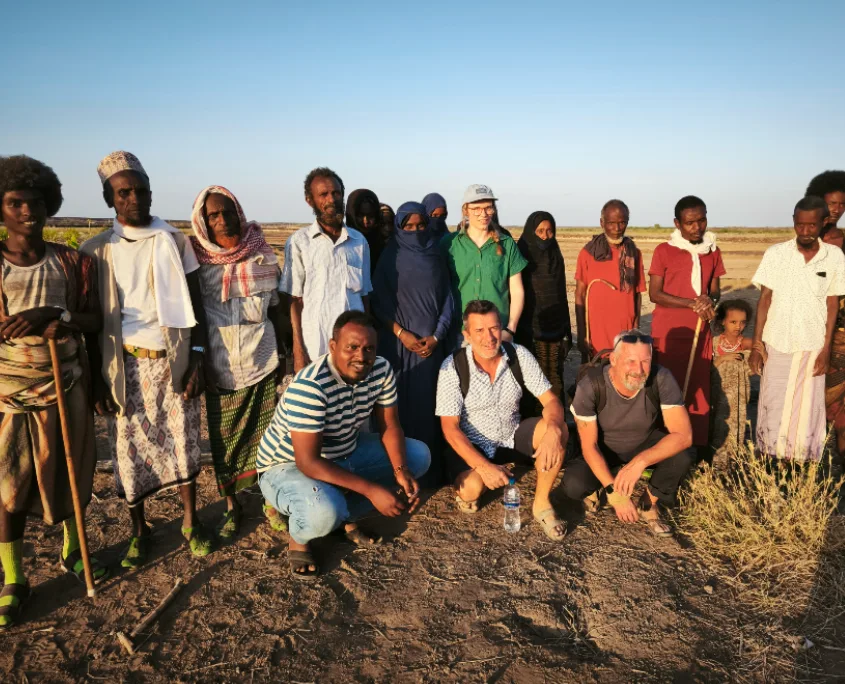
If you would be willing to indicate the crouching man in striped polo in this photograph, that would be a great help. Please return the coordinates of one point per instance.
(317, 468)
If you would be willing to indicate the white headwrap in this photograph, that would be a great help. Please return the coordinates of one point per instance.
(707, 245)
(173, 300)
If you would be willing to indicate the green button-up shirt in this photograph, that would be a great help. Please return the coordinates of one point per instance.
(481, 273)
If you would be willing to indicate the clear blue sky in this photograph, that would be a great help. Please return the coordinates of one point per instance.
(555, 105)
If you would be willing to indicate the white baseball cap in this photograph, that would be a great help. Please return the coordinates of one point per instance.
(478, 193)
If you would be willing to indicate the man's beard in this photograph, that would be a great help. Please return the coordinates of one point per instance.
(634, 382)
(140, 222)
(488, 353)
(331, 217)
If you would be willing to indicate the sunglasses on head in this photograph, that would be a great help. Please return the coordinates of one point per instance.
(634, 337)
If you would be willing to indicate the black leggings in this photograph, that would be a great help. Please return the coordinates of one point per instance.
(579, 481)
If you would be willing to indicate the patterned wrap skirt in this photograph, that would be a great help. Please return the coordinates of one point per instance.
(730, 390)
(236, 423)
(155, 443)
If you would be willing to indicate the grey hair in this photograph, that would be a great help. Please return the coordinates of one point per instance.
(634, 331)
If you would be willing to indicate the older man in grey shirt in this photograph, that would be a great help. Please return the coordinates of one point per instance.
(630, 416)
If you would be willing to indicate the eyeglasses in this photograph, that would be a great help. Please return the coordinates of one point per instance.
(483, 210)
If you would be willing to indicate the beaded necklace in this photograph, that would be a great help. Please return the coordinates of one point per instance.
(726, 349)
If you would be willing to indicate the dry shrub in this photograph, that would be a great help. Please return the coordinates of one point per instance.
(777, 528)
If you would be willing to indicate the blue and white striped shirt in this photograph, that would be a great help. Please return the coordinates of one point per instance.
(318, 400)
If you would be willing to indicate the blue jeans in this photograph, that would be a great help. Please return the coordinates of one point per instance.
(316, 508)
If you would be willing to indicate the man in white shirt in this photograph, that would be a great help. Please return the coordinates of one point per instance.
(326, 271)
(479, 389)
(800, 282)
(150, 353)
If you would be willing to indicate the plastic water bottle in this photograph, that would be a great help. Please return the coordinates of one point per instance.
(511, 500)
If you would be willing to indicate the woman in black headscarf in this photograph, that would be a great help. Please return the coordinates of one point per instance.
(388, 217)
(435, 207)
(544, 326)
(364, 215)
(412, 299)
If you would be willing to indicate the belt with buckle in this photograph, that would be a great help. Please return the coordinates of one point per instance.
(141, 353)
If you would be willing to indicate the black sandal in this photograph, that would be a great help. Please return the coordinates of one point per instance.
(300, 565)
(12, 599)
(73, 564)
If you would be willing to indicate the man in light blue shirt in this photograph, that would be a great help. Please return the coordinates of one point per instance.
(326, 271)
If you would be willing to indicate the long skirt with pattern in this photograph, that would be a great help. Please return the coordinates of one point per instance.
(155, 443)
(548, 356)
(730, 389)
(236, 423)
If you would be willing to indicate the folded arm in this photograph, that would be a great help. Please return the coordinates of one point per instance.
(44, 320)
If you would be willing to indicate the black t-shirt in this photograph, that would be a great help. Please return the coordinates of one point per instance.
(625, 423)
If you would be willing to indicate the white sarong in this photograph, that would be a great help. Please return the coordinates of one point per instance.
(791, 419)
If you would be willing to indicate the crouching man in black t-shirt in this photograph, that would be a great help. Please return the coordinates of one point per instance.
(630, 416)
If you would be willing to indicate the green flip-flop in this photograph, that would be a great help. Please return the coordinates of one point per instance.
(73, 565)
(229, 526)
(136, 554)
(277, 521)
(200, 543)
(12, 599)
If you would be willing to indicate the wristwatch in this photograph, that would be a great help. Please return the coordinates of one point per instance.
(509, 331)
(609, 489)
(64, 316)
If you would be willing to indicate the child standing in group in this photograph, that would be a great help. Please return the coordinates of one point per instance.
(729, 378)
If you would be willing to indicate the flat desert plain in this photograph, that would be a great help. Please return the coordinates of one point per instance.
(445, 598)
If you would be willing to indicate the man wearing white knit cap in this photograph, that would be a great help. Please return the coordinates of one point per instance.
(150, 352)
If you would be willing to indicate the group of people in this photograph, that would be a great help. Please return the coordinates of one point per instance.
(421, 356)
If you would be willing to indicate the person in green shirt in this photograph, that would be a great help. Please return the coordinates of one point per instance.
(485, 263)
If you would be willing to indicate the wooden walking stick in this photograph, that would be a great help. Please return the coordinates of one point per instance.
(128, 642)
(587, 307)
(71, 472)
(692, 355)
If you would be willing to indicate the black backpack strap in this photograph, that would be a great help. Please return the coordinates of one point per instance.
(513, 364)
(461, 361)
(596, 376)
(459, 358)
(653, 395)
(652, 391)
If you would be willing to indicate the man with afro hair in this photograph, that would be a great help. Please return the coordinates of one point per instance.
(47, 291)
(830, 186)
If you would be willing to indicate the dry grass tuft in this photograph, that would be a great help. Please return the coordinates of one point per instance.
(778, 531)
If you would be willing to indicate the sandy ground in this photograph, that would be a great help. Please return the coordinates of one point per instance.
(446, 598)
